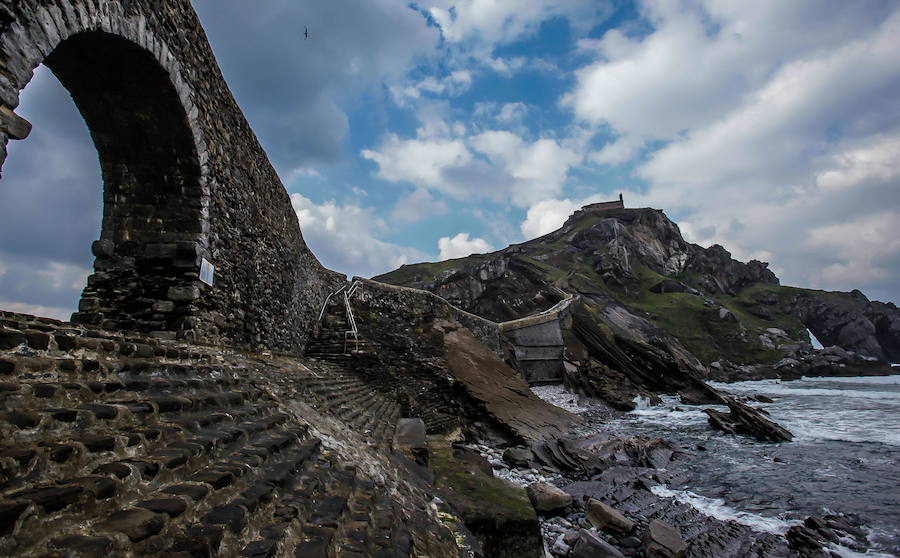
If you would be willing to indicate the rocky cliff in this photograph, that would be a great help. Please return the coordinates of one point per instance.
(642, 285)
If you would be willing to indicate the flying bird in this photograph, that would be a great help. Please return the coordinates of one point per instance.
(305, 32)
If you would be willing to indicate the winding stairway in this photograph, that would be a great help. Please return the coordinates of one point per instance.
(365, 403)
(112, 445)
(351, 396)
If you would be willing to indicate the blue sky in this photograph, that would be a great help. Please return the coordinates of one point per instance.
(420, 131)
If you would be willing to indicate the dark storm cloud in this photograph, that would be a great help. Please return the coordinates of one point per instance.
(295, 91)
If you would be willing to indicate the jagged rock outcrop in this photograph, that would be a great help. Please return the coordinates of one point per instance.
(720, 273)
(811, 540)
(613, 482)
(637, 274)
(496, 512)
(852, 322)
(443, 371)
(626, 357)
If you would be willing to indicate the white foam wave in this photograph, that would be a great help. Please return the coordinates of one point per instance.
(873, 380)
(844, 552)
(798, 389)
(641, 403)
(847, 426)
(557, 395)
(718, 509)
(670, 412)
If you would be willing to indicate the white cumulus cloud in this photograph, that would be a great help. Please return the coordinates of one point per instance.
(461, 246)
(867, 250)
(494, 164)
(418, 161)
(416, 207)
(548, 215)
(756, 124)
(498, 22)
(344, 238)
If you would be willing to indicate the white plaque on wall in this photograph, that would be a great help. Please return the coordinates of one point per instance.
(207, 272)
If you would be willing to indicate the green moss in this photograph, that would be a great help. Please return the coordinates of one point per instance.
(697, 325)
(549, 272)
(476, 493)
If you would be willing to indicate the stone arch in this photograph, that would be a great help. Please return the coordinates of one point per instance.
(232, 208)
(129, 89)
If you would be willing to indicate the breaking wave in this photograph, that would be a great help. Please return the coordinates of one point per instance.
(718, 509)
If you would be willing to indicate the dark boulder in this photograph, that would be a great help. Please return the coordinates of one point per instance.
(661, 540)
(590, 545)
(518, 457)
(548, 499)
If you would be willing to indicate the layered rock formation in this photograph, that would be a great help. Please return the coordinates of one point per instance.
(647, 290)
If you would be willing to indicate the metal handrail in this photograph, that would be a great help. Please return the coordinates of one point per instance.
(328, 298)
(350, 316)
(352, 288)
(348, 292)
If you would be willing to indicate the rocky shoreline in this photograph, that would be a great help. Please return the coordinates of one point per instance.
(603, 495)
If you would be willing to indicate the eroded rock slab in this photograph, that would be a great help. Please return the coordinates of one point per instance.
(743, 419)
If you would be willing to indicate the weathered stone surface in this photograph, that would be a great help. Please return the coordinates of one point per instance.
(607, 518)
(518, 457)
(506, 395)
(410, 440)
(9, 515)
(164, 306)
(173, 507)
(198, 443)
(743, 419)
(661, 540)
(727, 315)
(13, 125)
(548, 499)
(497, 512)
(83, 546)
(590, 545)
(137, 524)
(183, 294)
(10, 339)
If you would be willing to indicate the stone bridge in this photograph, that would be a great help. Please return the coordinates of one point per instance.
(184, 177)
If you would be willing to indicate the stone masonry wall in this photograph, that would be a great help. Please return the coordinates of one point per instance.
(424, 302)
(185, 177)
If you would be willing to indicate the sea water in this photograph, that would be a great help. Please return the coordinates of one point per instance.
(845, 457)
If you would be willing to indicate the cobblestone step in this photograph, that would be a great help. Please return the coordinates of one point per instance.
(113, 444)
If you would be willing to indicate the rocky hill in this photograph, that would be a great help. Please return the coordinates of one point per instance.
(642, 289)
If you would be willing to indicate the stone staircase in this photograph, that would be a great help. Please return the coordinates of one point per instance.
(347, 353)
(359, 404)
(336, 341)
(355, 398)
(118, 445)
